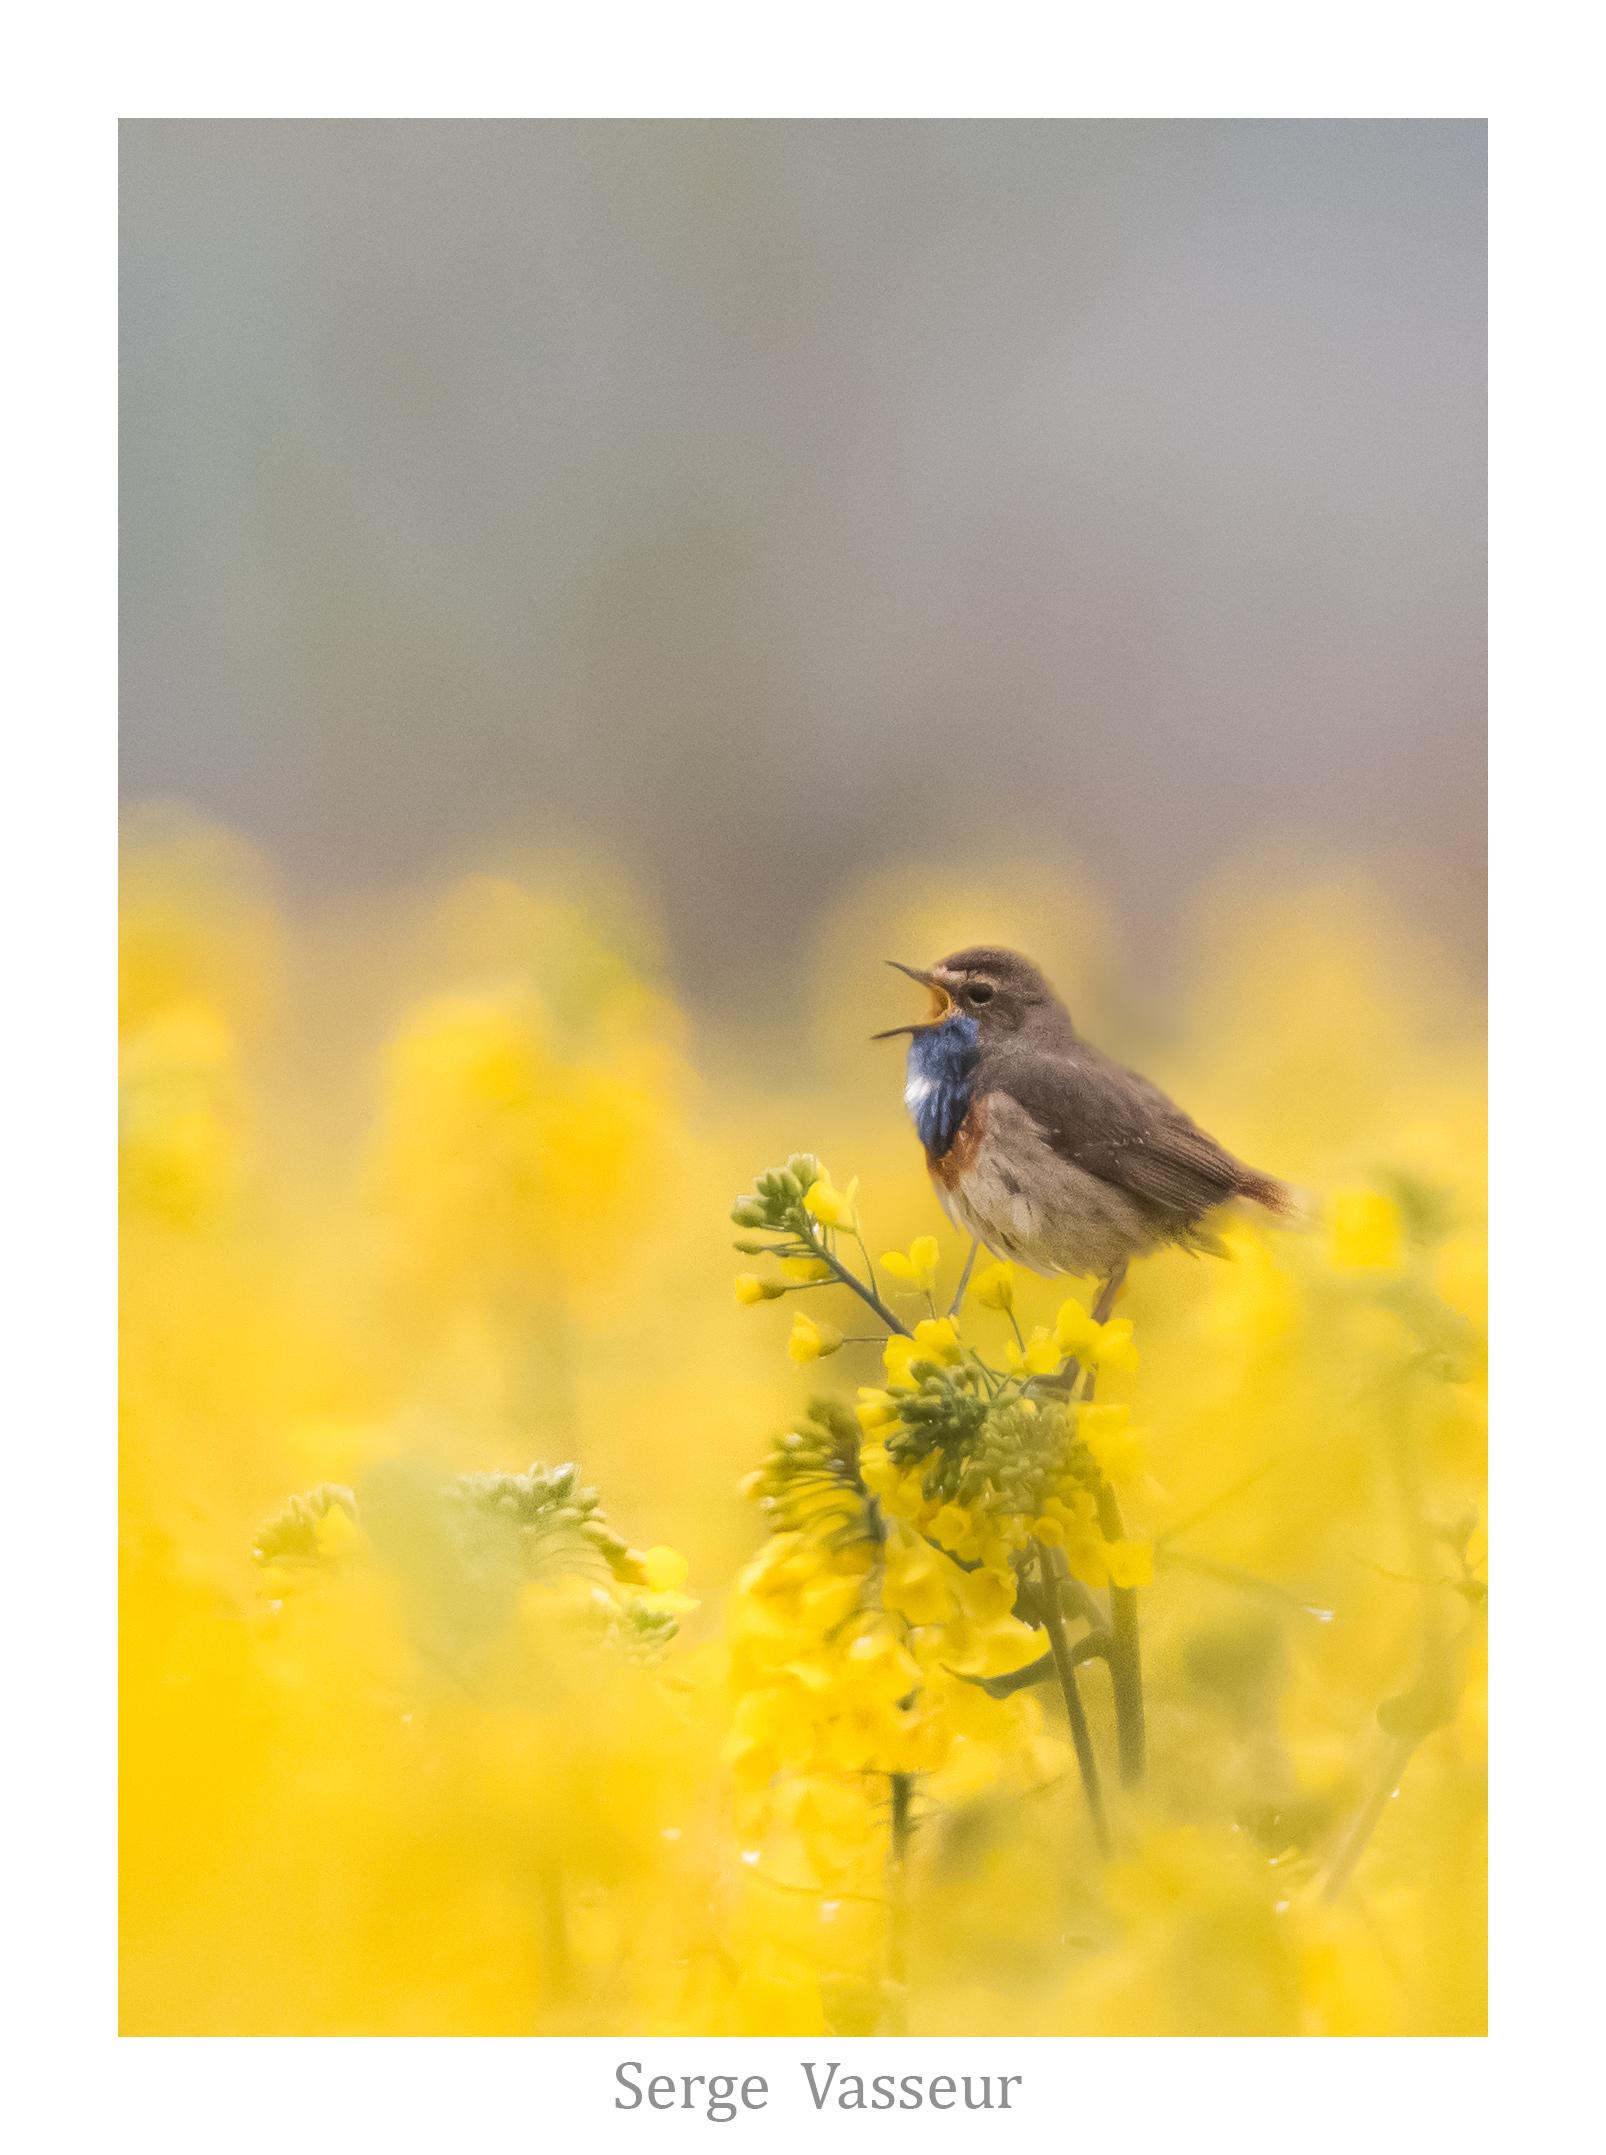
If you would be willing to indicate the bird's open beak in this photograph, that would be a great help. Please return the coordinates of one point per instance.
(941, 1001)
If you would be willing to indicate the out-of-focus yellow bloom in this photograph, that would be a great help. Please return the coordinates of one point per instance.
(750, 1288)
(913, 1586)
(1107, 1432)
(807, 1271)
(667, 1570)
(337, 1532)
(1112, 1345)
(953, 1527)
(1461, 1275)
(994, 1286)
(811, 1338)
(179, 1151)
(833, 1207)
(917, 1270)
(986, 1594)
(1368, 1233)
(1129, 1563)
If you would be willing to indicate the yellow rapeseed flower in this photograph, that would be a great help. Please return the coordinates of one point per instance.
(986, 1595)
(937, 1340)
(1368, 1234)
(833, 1207)
(1129, 1563)
(811, 1338)
(750, 1289)
(917, 1270)
(1041, 1356)
(1106, 1430)
(1112, 1346)
(913, 1586)
(1074, 1329)
(994, 1287)
(1100, 1346)
(953, 1527)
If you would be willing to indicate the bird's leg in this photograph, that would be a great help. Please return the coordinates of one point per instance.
(1106, 1301)
(964, 1277)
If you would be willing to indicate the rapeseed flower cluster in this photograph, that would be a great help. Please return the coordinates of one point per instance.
(856, 1646)
(416, 1195)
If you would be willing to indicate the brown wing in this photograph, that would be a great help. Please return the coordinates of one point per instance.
(1112, 1123)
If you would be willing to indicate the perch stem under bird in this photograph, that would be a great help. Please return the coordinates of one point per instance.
(1125, 1655)
(964, 1277)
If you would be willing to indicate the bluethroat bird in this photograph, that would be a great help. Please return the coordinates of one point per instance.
(1042, 1147)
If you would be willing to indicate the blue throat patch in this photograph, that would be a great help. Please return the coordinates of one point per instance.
(937, 1088)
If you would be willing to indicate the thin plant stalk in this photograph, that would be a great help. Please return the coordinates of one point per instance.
(1053, 1618)
(902, 1843)
(1396, 1759)
(1125, 1655)
(964, 1277)
(850, 1278)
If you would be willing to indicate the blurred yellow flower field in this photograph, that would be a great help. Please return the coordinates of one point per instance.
(524, 1633)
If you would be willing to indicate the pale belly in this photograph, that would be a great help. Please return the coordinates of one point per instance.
(1023, 1202)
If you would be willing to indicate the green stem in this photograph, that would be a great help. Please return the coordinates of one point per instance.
(869, 1266)
(903, 1792)
(964, 1278)
(1396, 1759)
(1053, 1620)
(1093, 1647)
(1081, 1601)
(1125, 1655)
(1206, 1567)
(851, 1279)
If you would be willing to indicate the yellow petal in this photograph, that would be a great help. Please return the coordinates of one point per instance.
(995, 1287)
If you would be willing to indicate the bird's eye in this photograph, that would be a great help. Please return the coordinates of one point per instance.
(981, 993)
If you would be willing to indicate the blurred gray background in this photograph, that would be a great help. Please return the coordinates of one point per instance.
(768, 499)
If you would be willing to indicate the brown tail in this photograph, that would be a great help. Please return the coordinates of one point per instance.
(1274, 1195)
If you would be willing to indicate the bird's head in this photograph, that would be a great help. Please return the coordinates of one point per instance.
(999, 989)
